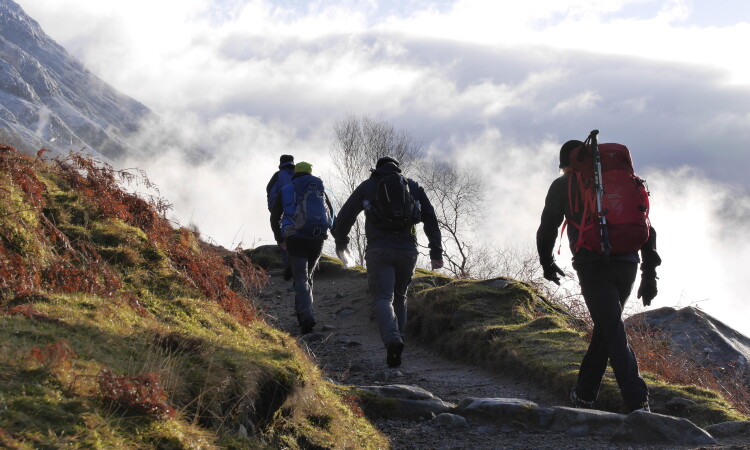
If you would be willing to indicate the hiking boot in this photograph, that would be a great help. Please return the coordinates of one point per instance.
(393, 353)
(579, 402)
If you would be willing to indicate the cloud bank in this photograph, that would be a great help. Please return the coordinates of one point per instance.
(495, 87)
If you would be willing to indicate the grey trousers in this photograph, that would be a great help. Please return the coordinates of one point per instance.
(389, 273)
(304, 254)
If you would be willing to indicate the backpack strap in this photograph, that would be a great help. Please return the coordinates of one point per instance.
(585, 225)
(562, 232)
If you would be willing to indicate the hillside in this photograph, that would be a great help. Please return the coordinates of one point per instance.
(118, 330)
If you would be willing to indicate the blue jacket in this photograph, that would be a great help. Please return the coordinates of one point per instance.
(279, 179)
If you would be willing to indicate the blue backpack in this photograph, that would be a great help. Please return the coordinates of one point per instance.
(305, 209)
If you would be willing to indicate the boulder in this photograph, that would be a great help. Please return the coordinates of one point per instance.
(700, 338)
(730, 429)
(410, 402)
(580, 422)
(641, 427)
(505, 411)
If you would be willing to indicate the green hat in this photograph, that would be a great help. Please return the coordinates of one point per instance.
(303, 167)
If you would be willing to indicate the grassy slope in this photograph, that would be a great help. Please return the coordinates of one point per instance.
(513, 329)
(93, 283)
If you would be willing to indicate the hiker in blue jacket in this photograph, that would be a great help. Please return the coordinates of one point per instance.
(280, 178)
(301, 231)
(606, 283)
(391, 255)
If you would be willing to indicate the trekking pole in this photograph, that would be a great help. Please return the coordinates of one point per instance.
(604, 235)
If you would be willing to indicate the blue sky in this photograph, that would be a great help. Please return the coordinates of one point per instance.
(496, 86)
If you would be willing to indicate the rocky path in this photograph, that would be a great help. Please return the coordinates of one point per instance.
(346, 345)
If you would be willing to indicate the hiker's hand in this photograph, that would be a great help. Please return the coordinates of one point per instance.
(551, 272)
(436, 264)
(282, 245)
(647, 290)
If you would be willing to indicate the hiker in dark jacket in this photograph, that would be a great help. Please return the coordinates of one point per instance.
(606, 283)
(280, 178)
(304, 249)
(390, 256)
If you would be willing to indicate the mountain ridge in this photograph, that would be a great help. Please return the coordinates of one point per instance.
(49, 99)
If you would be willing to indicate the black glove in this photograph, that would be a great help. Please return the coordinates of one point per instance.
(341, 245)
(647, 290)
(551, 272)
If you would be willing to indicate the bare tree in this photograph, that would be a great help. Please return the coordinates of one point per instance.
(457, 196)
(357, 144)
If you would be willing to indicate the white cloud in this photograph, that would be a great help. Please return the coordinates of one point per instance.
(588, 99)
(498, 85)
(704, 253)
(590, 26)
(224, 195)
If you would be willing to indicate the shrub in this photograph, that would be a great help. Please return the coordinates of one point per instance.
(140, 394)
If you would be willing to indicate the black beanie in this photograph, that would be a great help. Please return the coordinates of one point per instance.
(386, 160)
(286, 159)
(565, 151)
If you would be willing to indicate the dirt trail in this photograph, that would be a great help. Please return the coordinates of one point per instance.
(347, 346)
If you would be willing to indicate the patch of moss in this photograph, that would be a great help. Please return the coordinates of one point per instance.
(19, 221)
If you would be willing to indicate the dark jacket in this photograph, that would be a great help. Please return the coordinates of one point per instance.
(277, 210)
(378, 237)
(278, 181)
(556, 210)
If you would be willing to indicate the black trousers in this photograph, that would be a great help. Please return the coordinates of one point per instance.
(606, 287)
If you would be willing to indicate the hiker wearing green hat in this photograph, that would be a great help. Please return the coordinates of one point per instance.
(300, 219)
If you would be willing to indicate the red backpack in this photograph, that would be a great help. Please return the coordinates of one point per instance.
(625, 203)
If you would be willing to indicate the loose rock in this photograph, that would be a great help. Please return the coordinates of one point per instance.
(451, 421)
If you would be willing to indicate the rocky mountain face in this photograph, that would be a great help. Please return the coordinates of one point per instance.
(701, 338)
(49, 99)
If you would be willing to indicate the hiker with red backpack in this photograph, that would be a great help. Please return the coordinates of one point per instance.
(605, 208)
(393, 206)
(301, 216)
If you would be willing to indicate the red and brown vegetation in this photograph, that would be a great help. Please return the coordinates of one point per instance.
(37, 256)
(119, 329)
